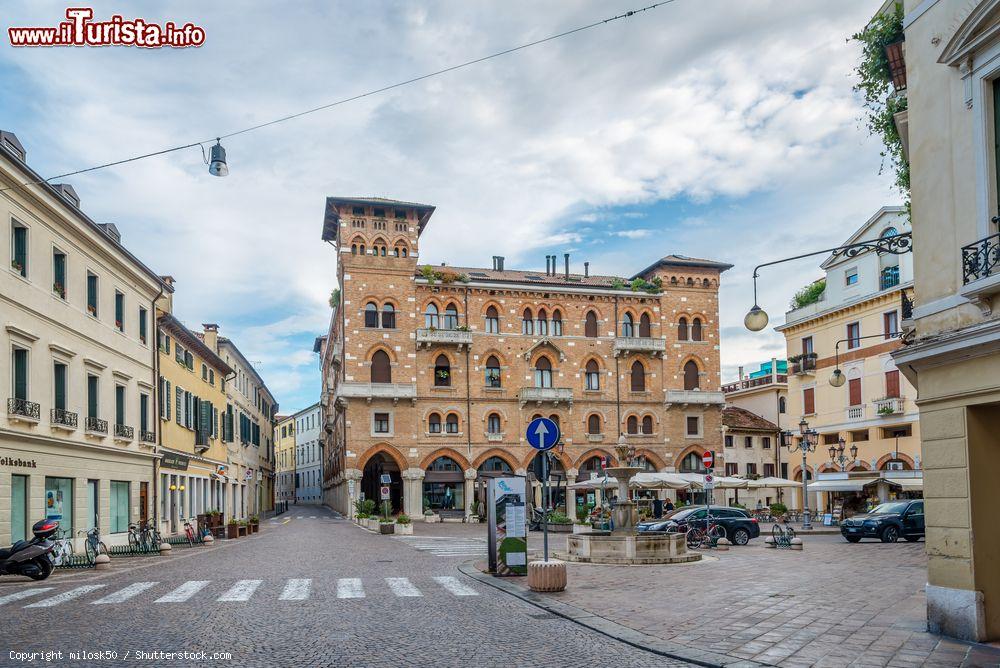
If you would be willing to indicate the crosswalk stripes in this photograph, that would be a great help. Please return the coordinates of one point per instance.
(455, 587)
(125, 594)
(446, 546)
(18, 595)
(350, 588)
(241, 591)
(184, 592)
(402, 587)
(65, 596)
(296, 590)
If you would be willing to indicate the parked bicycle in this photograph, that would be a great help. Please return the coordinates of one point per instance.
(190, 534)
(697, 537)
(63, 550)
(151, 536)
(93, 545)
(783, 533)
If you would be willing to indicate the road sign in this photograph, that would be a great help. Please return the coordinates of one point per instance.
(542, 433)
(385, 479)
(709, 481)
(384, 492)
(708, 459)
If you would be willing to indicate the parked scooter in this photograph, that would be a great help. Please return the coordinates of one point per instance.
(31, 557)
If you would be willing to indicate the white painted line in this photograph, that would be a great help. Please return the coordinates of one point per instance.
(241, 591)
(296, 590)
(312, 517)
(65, 596)
(350, 588)
(18, 595)
(455, 587)
(125, 594)
(184, 592)
(402, 587)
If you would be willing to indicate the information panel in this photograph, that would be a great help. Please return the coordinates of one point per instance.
(508, 530)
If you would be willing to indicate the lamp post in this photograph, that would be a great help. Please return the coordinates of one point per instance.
(807, 443)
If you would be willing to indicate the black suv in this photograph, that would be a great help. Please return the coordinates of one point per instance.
(887, 522)
(739, 526)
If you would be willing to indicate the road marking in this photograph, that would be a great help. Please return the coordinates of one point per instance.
(350, 588)
(184, 592)
(18, 595)
(287, 521)
(125, 594)
(65, 596)
(241, 591)
(455, 587)
(312, 517)
(296, 590)
(402, 587)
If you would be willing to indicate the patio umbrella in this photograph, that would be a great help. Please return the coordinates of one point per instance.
(771, 481)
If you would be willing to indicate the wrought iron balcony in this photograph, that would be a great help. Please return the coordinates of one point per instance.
(147, 436)
(856, 412)
(22, 409)
(63, 419)
(455, 337)
(698, 397)
(369, 391)
(124, 432)
(889, 278)
(96, 425)
(639, 344)
(545, 394)
(888, 405)
(981, 259)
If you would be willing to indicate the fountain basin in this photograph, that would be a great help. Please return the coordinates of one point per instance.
(603, 547)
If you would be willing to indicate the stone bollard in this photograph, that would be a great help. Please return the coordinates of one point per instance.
(102, 562)
(722, 544)
(547, 575)
(796, 543)
(209, 539)
(769, 542)
(165, 549)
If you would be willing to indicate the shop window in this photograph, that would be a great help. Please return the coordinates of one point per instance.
(59, 502)
(590, 325)
(19, 522)
(119, 506)
(442, 372)
(93, 495)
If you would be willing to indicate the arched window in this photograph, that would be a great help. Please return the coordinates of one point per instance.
(431, 320)
(781, 405)
(690, 282)
(593, 376)
(451, 317)
(527, 324)
(388, 316)
(889, 232)
(543, 372)
(594, 424)
(682, 329)
(691, 462)
(442, 372)
(543, 323)
(451, 423)
(381, 371)
(644, 326)
(590, 325)
(638, 377)
(492, 321)
(673, 280)
(354, 249)
(628, 325)
(444, 464)
(371, 314)
(434, 423)
(361, 250)
(495, 464)
(632, 424)
(705, 283)
(493, 424)
(395, 251)
(554, 418)
(557, 323)
(493, 372)
(690, 375)
(405, 252)
(647, 424)
(696, 329)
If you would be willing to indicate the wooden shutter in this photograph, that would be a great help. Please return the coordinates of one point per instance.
(206, 417)
(179, 412)
(638, 377)
(20, 374)
(809, 401)
(690, 375)
(167, 398)
(59, 378)
(892, 383)
(854, 391)
(590, 326)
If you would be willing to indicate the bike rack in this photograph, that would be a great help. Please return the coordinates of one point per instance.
(75, 561)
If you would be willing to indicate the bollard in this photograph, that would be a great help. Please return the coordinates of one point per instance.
(165, 549)
(547, 575)
(102, 562)
(796, 543)
(769, 542)
(208, 539)
(722, 544)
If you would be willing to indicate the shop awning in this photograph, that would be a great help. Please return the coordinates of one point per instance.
(771, 481)
(837, 485)
(908, 484)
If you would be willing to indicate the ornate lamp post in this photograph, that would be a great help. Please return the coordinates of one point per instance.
(808, 440)
(837, 454)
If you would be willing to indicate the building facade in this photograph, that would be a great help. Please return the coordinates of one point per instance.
(431, 374)
(751, 450)
(309, 455)
(763, 392)
(78, 436)
(284, 458)
(952, 64)
(855, 326)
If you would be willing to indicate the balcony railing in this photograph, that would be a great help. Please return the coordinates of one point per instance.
(96, 425)
(22, 409)
(369, 391)
(856, 412)
(455, 337)
(806, 365)
(889, 278)
(62, 418)
(124, 432)
(888, 405)
(549, 394)
(698, 397)
(639, 344)
(981, 259)
(147, 436)
(749, 383)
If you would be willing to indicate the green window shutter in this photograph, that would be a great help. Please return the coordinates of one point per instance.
(215, 422)
(21, 374)
(59, 380)
(179, 407)
(59, 269)
(92, 396)
(120, 309)
(92, 292)
(167, 399)
(21, 249)
(143, 412)
(206, 418)
(142, 324)
(119, 404)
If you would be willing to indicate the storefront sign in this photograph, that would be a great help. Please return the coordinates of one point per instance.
(508, 531)
(173, 460)
(18, 462)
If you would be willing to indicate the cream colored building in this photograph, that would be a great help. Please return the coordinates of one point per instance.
(284, 447)
(78, 433)
(854, 326)
(952, 57)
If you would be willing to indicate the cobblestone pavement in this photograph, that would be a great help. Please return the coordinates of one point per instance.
(309, 590)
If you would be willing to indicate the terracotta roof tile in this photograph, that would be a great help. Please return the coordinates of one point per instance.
(740, 419)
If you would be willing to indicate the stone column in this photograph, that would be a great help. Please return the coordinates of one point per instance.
(470, 492)
(571, 493)
(413, 492)
(352, 475)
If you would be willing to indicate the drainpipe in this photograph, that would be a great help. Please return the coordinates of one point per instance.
(156, 404)
(468, 385)
(618, 388)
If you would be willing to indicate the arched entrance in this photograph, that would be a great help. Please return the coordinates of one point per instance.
(444, 487)
(379, 465)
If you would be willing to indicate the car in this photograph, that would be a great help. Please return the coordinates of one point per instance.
(740, 527)
(888, 522)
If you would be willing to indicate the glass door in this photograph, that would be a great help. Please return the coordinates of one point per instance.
(18, 508)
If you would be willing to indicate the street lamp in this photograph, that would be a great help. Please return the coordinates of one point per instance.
(217, 163)
(808, 440)
(837, 453)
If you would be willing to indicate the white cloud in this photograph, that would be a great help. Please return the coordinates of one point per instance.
(633, 234)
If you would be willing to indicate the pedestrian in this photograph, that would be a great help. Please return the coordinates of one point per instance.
(760, 506)
(669, 506)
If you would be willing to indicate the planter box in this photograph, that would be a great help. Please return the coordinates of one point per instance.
(404, 529)
(232, 531)
(560, 528)
(582, 528)
(254, 528)
(386, 527)
(242, 530)
(431, 519)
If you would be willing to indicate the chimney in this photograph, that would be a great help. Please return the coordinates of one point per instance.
(211, 336)
(586, 269)
(741, 373)
(566, 257)
(499, 262)
(166, 302)
(496, 259)
(548, 259)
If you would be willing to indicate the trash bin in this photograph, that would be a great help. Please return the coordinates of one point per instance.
(657, 508)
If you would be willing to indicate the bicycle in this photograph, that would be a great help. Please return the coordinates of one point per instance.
(135, 539)
(150, 536)
(63, 550)
(697, 537)
(782, 535)
(93, 544)
(189, 533)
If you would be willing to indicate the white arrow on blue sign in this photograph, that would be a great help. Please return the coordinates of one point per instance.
(542, 434)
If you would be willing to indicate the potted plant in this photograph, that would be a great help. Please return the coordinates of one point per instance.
(430, 517)
(17, 266)
(232, 529)
(559, 522)
(386, 525)
(91, 309)
(403, 525)
(242, 528)
(254, 524)
(59, 289)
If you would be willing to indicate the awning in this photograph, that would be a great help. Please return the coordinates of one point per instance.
(771, 481)
(596, 483)
(914, 484)
(838, 485)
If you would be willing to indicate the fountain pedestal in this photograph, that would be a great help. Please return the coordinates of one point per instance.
(625, 516)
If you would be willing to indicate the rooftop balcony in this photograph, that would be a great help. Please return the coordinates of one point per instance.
(639, 344)
(539, 395)
(694, 397)
(370, 391)
(751, 383)
(453, 337)
(23, 410)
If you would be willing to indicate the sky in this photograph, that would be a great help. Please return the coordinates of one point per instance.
(724, 129)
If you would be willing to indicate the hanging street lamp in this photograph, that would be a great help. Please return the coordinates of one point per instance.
(217, 162)
(837, 378)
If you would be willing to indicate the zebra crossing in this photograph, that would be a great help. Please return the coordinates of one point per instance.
(241, 591)
(446, 546)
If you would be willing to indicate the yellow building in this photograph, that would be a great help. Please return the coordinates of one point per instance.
(284, 439)
(195, 473)
(853, 326)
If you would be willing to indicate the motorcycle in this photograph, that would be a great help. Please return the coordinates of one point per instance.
(31, 557)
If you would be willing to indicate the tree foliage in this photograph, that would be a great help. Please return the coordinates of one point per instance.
(809, 294)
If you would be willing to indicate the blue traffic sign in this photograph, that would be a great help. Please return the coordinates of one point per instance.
(542, 434)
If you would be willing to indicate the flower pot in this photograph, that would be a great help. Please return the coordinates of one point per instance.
(232, 531)
(386, 527)
(404, 529)
(242, 530)
(582, 528)
(255, 527)
(431, 519)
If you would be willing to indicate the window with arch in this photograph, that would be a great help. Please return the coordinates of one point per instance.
(592, 375)
(781, 405)
(361, 250)
(691, 462)
(647, 424)
(527, 323)
(705, 283)
(434, 423)
(497, 464)
(682, 329)
(889, 232)
(431, 319)
(543, 372)
(696, 329)
(632, 424)
(557, 325)
(691, 375)
(381, 369)
(628, 325)
(451, 423)
(590, 325)
(543, 322)
(594, 424)
(493, 423)
(492, 320)
(354, 249)
(388, 316)
(644, 328)
(442, 372)
(371, 314)
(690, 282)
(638, 377)
(379, 247)
(673, 280)
(451, 317)
(493, 372)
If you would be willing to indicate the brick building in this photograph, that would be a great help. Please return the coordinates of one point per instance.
(431, 374)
